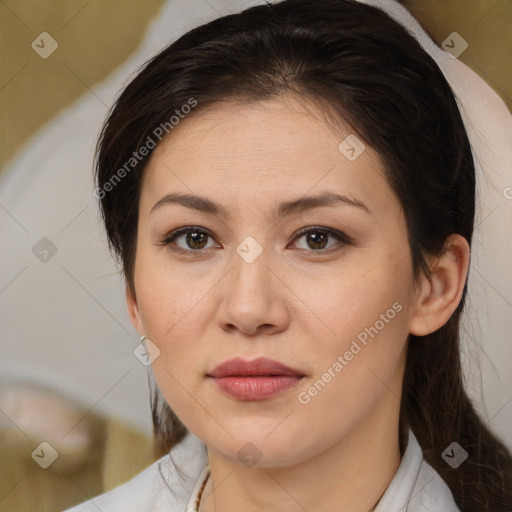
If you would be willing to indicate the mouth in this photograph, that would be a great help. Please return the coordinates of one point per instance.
(254, 380)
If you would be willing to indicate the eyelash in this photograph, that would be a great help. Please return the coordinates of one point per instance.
(342, 237)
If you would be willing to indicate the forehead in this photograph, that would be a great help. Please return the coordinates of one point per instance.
(247, 153)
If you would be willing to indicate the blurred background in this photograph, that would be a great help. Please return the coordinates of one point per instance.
(68, 374)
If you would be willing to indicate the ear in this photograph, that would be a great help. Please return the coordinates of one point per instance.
(441, 292)
(133, 310)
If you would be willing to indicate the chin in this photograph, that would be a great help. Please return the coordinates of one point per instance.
(257, 443)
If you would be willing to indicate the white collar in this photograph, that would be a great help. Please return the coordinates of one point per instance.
(172, 484)
(415, 486)
(400, 490)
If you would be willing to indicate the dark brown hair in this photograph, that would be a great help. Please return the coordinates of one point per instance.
(358, 65)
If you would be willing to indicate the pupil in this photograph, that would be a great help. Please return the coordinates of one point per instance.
(314, 238)
(192, 242)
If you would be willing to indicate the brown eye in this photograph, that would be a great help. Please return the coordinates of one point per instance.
(317, 238)
(193, 240)
(196, 239)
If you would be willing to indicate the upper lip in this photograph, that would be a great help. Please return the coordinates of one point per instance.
(256, 367)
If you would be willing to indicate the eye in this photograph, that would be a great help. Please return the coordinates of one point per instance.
(194, 239)
(316, 238)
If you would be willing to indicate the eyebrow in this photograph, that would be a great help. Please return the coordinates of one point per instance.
(284, 209)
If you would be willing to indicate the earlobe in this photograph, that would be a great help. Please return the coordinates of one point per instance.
(441, 292)
(133, 310)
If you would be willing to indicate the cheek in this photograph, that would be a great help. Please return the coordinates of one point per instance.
(166, 294)
(173, 320)
(170, 307)
(348, 302)
(363, 333)
(354, 371)
(365, 320)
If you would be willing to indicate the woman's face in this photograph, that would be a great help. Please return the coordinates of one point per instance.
(333, 303)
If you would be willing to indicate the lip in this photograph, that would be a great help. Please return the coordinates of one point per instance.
(239, 367)
(258, 379)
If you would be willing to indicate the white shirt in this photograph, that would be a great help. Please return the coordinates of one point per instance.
(416, 486)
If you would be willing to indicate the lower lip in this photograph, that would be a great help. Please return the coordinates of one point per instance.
(256, 388)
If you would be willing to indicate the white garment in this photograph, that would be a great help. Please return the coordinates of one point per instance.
(416, 486)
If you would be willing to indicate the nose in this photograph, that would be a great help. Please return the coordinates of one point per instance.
(254, 298)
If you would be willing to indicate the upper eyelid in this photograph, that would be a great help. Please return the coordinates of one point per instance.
(329, 231)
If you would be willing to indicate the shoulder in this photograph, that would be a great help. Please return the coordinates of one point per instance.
(164, 486)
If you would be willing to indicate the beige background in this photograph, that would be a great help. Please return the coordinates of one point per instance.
(94, 38)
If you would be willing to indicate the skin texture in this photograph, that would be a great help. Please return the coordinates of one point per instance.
(302, 303)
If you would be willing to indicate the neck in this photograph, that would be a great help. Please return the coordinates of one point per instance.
(354, 472)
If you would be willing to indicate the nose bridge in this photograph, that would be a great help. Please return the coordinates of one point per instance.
(250, 270)
(250, 297)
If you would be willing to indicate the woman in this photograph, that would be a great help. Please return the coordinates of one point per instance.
(290, 191)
